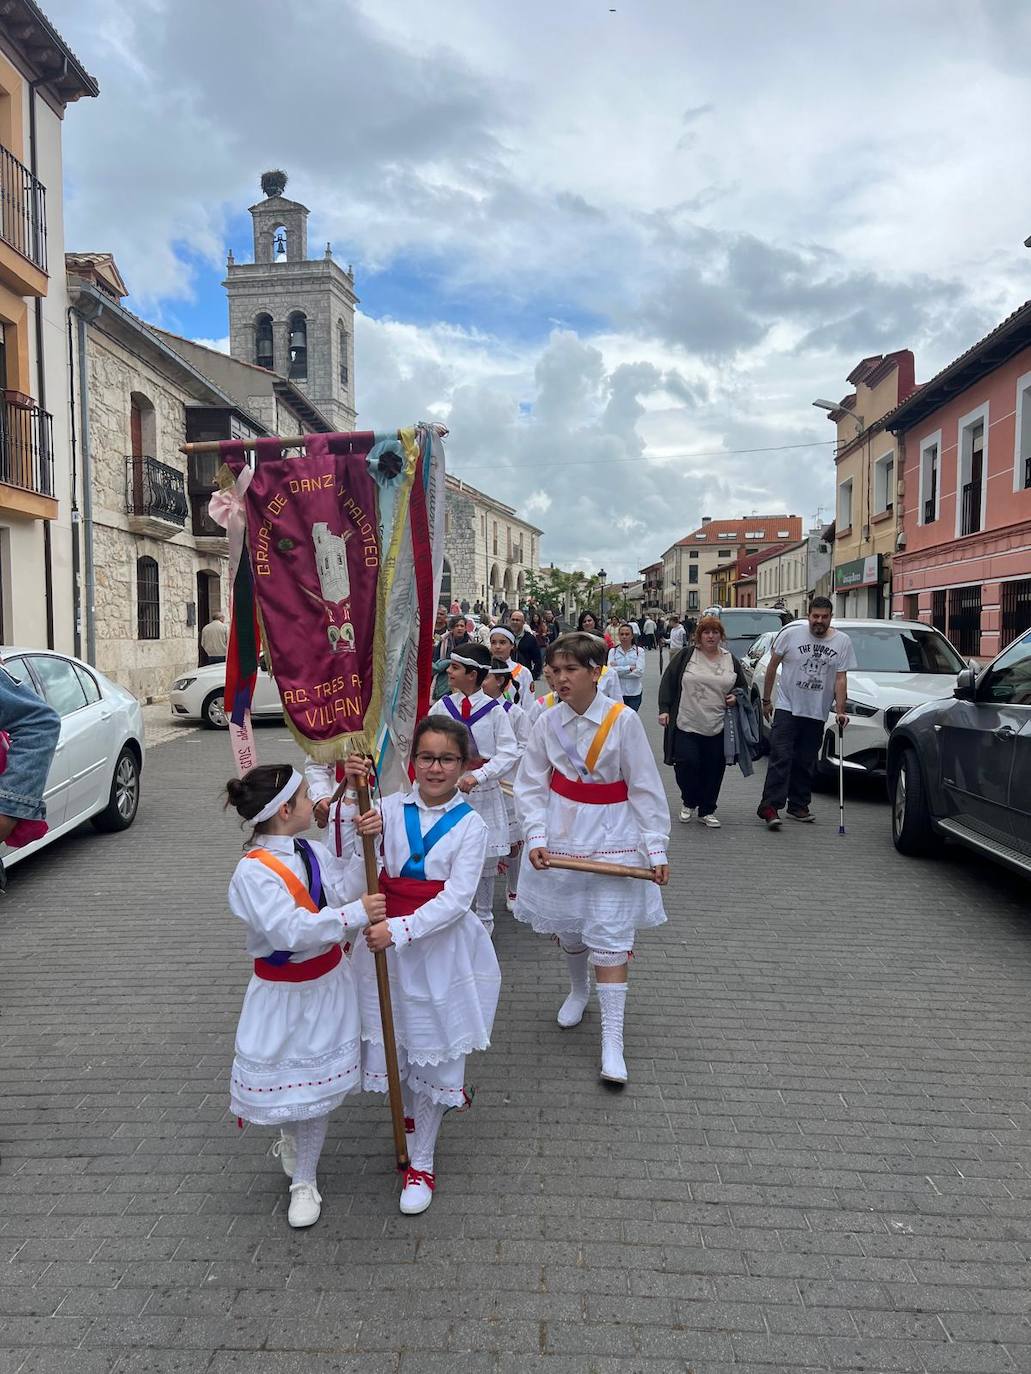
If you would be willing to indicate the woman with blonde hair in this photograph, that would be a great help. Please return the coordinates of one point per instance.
(695, 693)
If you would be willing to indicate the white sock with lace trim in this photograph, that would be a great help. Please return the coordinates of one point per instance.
(428, 1116)
(310, 1136)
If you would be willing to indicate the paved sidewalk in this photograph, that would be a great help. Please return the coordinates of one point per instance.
(160, 726)
(821, 1161)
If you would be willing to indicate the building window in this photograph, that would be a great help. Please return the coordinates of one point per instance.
(495, 541)
(1015, 602)
(692, 573)
(298, 327)
(692, 601)
(971, 488)
(1022, 444)
(342, 351)
(938, 610)
(692, 553)
(445, 584)
(930, 484)
(725, 553)
(965, 619)
(264, 347)
(912, 604)
(884, 484)
(845, 505)
(148, 600)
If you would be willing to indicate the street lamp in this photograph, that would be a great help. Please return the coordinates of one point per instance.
(833, 405)
(602, 574)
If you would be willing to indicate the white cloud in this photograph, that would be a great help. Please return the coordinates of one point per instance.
(219, 345)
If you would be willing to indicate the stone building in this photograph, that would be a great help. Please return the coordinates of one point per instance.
(154, 565)
(293, 315)
(488, 548)
(40, 489)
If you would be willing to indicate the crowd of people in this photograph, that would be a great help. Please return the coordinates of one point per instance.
(502, 769)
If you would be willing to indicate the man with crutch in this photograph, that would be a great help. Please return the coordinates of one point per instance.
(814, 661)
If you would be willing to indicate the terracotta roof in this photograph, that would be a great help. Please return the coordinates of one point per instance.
(752, 529)
(997, 347)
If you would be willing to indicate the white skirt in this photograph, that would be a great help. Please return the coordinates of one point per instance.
(443, 1083)
(298, 1048)
(604, 912)
(444, 993)
(488, 801)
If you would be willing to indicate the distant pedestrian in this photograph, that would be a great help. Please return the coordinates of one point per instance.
(525, 649)
(626, 660)
(695, 693)
(214, 639)
(298, 1041)
(676, 634)
(552, 626)
(814, 661)
(648, 632)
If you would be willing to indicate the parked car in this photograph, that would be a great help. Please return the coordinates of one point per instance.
(901, 664)
(95, 774)
(960, 769)
(199, 695)
(754, 653)
(743, 625)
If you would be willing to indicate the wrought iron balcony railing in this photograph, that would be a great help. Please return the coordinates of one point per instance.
(155, 490)
(971, 508)
(929, 511)
(23, 210)
(27, 447)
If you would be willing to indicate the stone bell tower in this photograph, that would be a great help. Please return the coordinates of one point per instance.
(293, 314)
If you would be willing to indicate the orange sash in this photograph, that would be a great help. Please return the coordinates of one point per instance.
(602, 734)
(294, 886)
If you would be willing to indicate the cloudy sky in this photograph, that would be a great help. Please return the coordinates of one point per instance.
(617, 249)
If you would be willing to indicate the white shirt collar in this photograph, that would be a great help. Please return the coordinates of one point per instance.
(275, 844)
(595, 712)
(416, 797)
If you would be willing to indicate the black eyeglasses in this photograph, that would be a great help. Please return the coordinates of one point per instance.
(445, 760)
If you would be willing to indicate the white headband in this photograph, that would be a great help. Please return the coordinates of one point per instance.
(467, 662)
(503, 630)
(503, 670)
(284, 794)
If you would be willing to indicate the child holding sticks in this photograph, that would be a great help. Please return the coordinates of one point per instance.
(444, 975)
(298, 1040)
(588, 788)
(493, 753)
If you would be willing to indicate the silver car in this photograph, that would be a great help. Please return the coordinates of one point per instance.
(960, 769)
(95, 773)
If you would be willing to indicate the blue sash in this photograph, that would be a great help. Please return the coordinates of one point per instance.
(419, 845)
(314, 884)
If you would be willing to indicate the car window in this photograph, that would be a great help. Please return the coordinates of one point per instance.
(61, 683)
(749, 624)
(17, 667)
(89, 683)
(1009, 679)
(897, 650)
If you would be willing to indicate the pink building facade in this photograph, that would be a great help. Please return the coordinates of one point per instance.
(965, 461)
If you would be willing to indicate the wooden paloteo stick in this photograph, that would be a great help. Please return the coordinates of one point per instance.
(596, 866)
(248, 445)
(397, 1111)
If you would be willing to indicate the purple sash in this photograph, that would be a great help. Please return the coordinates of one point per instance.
(568, 747)
(469, 721)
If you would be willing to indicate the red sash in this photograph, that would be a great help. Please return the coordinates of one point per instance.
(406, 895)
(304, 972)
(594, 793)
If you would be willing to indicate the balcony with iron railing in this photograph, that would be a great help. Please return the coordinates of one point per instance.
(155, 497)
(23, 210)
(26, 446)
(971, 508)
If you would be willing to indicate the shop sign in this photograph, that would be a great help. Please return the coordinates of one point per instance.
(861, 572)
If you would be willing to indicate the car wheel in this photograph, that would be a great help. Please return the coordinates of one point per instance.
(124, 801)
(911, 829)
(213, 712)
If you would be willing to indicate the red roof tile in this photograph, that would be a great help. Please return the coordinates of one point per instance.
(752, 529)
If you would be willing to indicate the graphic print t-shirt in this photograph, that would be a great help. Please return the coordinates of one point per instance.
(806, 683)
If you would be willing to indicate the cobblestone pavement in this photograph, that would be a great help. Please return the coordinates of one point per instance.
(820, 1162)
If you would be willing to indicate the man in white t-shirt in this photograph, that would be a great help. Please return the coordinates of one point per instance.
(676, 635)
(648, 632)
(814, 661)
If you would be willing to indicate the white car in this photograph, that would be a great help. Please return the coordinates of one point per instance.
(95, 774)
(199, 695)
(902, 664)
(755, 652)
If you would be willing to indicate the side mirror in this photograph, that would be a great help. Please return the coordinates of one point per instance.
(966, 683)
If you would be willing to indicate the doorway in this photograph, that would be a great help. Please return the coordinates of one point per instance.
(209, 600)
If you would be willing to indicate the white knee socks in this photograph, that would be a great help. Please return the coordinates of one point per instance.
(514, 860)
(428, 1116)
(310, 1136)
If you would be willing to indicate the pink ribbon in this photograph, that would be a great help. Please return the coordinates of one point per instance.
(227, 509)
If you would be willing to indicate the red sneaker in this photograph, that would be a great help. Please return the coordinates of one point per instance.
(770, 816)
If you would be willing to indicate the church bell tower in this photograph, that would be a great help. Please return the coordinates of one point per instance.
(293, 314)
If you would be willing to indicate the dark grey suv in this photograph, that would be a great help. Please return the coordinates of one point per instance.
(960, 769)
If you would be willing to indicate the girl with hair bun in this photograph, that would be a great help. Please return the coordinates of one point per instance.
(298, 1041)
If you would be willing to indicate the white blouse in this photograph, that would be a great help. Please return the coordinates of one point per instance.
(629, 665)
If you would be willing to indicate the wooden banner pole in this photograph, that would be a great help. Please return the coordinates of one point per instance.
(248, 445)
(596, 866)
(397, 1111)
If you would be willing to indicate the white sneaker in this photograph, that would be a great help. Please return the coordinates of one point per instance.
(305, 1205)
(571, 1012)
(613, 1065)
(686, 813)
(285, 1150)
(417, 1194)
(710, 821)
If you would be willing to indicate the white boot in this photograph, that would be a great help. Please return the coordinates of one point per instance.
(612, 1001)
(571, 1012)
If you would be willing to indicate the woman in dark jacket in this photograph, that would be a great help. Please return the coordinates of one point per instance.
(693, 725)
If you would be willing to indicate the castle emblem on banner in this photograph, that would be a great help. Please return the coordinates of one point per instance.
(334, 583)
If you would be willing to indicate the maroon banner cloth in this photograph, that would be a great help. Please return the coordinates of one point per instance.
(313, 544)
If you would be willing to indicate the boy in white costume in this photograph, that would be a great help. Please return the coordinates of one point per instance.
(444, 973)
(493, 755)
(498, 684)
(588, 788)
(298, 1040)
